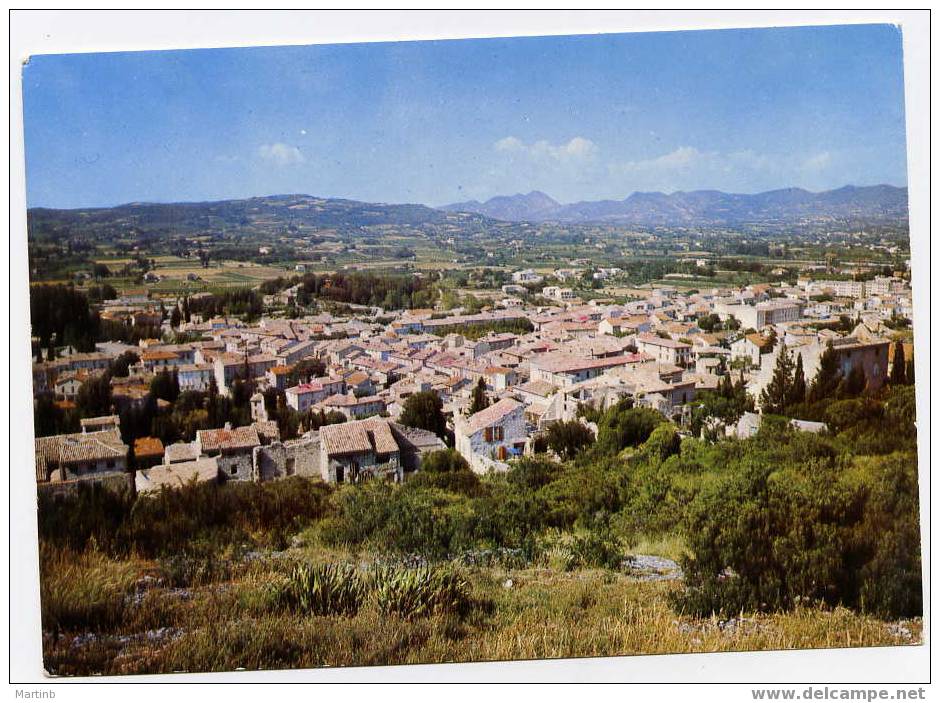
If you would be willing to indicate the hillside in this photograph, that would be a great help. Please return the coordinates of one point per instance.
(263, 214)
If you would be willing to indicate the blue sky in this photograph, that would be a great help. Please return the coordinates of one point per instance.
(580, 118)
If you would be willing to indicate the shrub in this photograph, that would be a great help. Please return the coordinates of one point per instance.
(567, 439)
(765, 539)
(193, 518)
(448, 471)
(662, 443)
(891, 578)
(624, 426)
(411, 593)
(594, 549)
(322, 589)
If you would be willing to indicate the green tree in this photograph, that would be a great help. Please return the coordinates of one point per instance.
(568, 438)
(853, 384)
(94, 397)
(175, 317)
(425, 410)
(898, 375)
(775, 396)
(120, 367)
(625, 426)
(478, 400)
(827, 379)
(165, 386)
(305, 370)
(797, 393)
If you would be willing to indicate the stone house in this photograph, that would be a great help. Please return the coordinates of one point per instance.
(353, 451)
(233, 447)
(493, 435)
(750, 347)
(83, 455)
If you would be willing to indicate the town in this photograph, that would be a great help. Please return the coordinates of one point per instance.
(498, 392)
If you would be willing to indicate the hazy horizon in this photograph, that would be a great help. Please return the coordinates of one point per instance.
(440, 205)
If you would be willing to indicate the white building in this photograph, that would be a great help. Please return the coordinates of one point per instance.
(664, 350)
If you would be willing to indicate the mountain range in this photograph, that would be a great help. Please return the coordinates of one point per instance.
(279, 213)
(698, 207)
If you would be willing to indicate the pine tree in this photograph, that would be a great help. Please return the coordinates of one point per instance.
(797, 394)
(478, 400)
(898, 375)
(175, 318)
(773, 399)
(725, 387)
(909, 372)
(854, 384)
(827, 378)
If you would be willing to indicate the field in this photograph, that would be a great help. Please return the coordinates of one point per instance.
(174, 271)
(158, 622)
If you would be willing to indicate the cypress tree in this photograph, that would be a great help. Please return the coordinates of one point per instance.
(827, 379)
(774, 398)
(478, 400)
(798, 389)
(898, 375)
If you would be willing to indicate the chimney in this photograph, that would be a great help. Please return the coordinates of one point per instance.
(228, 425)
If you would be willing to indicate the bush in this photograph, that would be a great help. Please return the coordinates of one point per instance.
(448, 471)
(891, 578)
(597, 549)
(662, 443)
(322, 589)
(567, 439)
(625, 426)
(411, 593)
(765, 538)
(194, 518)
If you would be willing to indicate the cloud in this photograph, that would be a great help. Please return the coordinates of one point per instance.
(577, 149)
(818, 162)
(688, 167)
(281, 154)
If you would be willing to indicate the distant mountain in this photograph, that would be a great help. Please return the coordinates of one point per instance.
(250, 214)
(699, 207)
(514, 208)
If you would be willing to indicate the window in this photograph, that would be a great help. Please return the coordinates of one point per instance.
(111, 464)
(289, 468)
(234, 469)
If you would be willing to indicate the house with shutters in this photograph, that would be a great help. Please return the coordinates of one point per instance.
(489, 438)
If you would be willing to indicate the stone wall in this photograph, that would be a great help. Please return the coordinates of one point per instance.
(297, 457)
(236, 467)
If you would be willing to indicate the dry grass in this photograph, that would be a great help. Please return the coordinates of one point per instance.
(544, 614)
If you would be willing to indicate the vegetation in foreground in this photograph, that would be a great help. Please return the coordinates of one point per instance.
(785, 540)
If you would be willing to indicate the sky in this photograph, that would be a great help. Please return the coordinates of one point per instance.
(435, 122)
